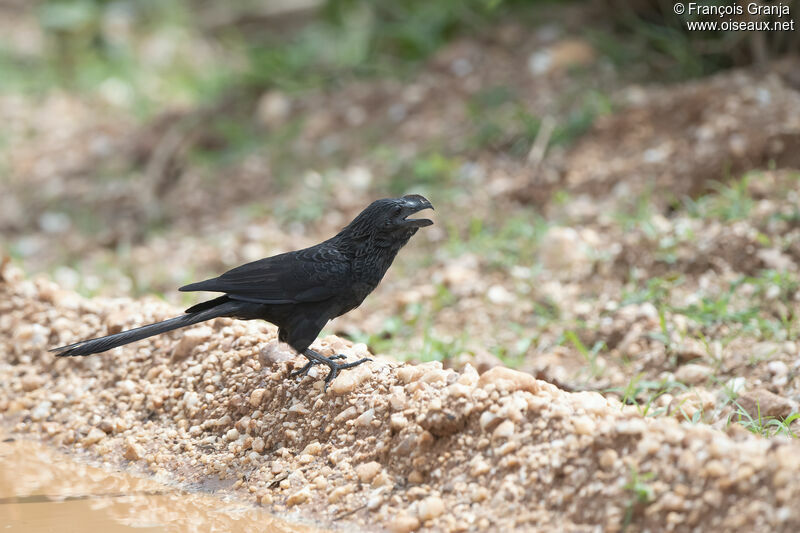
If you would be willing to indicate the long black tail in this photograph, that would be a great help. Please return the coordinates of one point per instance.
(101, 344)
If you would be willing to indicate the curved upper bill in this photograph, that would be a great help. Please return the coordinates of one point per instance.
(415, 203)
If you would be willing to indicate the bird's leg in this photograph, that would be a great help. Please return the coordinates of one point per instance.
(311, 362)
(315, 358)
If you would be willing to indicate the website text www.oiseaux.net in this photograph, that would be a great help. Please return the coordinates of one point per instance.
(726, 13)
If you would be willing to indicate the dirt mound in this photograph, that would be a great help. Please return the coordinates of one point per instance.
(683, 138)
(393, 444)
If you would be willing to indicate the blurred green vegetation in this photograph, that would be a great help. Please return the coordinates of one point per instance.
(369, 38)
(90, 41)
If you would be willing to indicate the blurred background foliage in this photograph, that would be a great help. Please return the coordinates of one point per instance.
(235, 66)
(311, 43)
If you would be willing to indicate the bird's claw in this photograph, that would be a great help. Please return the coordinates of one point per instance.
(303, 371)
(334, 367)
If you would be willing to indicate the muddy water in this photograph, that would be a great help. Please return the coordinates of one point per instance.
(42, 491)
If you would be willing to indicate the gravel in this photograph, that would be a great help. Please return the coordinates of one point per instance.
(389, 445)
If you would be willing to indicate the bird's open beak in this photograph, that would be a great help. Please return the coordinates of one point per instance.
(415, 203)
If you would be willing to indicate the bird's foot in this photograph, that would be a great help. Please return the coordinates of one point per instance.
(317, 359)
(336, 367)
(311, 362)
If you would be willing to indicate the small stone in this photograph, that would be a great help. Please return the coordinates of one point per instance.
(301, 496)
(346, 415)
(133, 452)
(69, 437)
(689, 350)
(488, 421)
(366, 472)
(256, 397)
(191, 400)
(479, 494)
(404, 523)
(583, 425)
(457, 390)
(383, 479)
(763, 403)
(273, 108)
(608, 459)
(687, 461)
(506, 448)
(190, 340)
(443, 423)
(714, 468)
(500, 376)
(499, 295)
(348, 381)
(648, 445)
(273, 354)
(691, 404)
(504, 430)
(408, 373)
(777, 368)
(469, 376)
(425, 439)
(416, 477)
(693, 374)
(95, 435)
(478, 467)
(374, 502)
(340, 492)
(312, 448)
(365, 418)
(462, 275)
(634, 426)
(786, 457)
(398, 398)
(232, 435)
(562, 250)
(397, 422)
(299, 409)
(780, 373)
(41, 411)
(258, 444)
(116, 320)
(430, 508)
(32, 382)
(736, 385)
(435, 375)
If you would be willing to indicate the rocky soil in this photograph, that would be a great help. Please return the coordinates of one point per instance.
(390, 444)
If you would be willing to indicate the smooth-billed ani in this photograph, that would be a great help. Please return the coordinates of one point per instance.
(297, 291)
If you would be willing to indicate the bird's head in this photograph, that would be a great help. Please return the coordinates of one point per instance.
(389, 218)
(396, 211)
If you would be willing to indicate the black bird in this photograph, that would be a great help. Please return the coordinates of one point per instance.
(297, 291)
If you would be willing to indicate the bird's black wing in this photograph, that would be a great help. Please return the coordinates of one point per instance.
(310, 275)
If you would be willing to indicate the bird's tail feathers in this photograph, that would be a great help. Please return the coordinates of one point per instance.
(101, 344)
